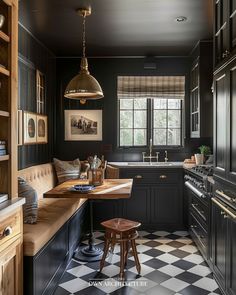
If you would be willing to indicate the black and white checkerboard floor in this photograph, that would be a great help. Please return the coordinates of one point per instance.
(170, 264)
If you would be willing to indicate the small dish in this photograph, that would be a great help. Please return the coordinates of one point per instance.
(83, 188)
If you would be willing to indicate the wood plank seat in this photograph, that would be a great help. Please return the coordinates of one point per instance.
(124, 232)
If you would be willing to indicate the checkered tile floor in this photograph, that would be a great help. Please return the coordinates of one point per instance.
(170, 264)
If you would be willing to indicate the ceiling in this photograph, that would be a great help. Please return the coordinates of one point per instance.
(119, 27)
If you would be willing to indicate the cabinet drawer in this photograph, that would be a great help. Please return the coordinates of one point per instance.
(147, 177)
(199, 232)
(9, 228)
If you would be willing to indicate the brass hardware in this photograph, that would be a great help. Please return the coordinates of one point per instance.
(84, 11)
(193, 226)
(223, 195)
(6, 232)
(225, 54)
(222, 213)
(226, 216)
(138, 176)
(225, 209)
(163, 176)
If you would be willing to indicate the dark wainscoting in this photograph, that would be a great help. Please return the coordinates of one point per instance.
(33, 55)
(106, 71)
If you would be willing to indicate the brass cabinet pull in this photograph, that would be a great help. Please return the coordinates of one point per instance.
(193, 226)
(6, 232)
(163, 176)
(224, 209)
(138, 176)
(223, 195)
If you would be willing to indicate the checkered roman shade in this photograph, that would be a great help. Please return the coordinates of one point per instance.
(170, 87)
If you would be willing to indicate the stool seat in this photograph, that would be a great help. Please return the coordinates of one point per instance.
(120, 224)
(124, 232)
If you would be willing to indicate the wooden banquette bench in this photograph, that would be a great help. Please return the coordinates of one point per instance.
(49, 244)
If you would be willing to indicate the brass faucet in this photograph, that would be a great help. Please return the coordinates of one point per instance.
(150, 157)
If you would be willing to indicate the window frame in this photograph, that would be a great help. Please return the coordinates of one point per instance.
(40, 89)
(150, 128)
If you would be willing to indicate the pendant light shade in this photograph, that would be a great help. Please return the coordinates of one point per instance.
(83, 86)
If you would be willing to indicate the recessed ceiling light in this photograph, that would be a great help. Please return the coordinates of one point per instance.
(181, 19)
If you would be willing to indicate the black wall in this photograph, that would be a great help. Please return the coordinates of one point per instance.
(106, 71)
(33, 55)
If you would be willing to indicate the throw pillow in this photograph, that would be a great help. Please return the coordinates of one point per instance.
(67, 170)
(30, 208)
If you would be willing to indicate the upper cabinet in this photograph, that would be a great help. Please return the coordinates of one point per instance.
(224, 30)
(8, 97)
(201, 101)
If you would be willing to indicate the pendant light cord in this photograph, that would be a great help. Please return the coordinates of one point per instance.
(84, 42)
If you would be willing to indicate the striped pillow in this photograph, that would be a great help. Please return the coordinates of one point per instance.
(67, 170)
(30, 208)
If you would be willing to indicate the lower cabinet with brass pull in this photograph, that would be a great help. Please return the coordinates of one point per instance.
(11, 255)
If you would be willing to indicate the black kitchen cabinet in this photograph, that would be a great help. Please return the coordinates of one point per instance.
(231, 265)
(225, 123)
(157, 197)
(224, 30)
(219, 244)
(201, 98)
(166, 205)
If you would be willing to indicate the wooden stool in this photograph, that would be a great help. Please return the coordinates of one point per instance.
(123, 231)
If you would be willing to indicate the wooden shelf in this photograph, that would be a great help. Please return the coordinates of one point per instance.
(4, 158)
(4, 114)
(4, 71)
(4, 36)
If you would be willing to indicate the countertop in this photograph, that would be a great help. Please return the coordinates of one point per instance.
(8, 206)
(147, 164)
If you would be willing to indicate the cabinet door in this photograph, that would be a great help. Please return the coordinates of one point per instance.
(231, 258)
(231, 160)
(232, 24)
(166, 205)
(219, 244)
(137, 207)
(10, 270)
(220, 124)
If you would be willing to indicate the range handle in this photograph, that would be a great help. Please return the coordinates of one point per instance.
(226, 197)
(224, 208)
(194, 189)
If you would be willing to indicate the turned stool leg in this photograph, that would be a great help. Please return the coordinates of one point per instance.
(134, 249)
(106, 248)
(122, 259)
(113, 242)
(126, 251)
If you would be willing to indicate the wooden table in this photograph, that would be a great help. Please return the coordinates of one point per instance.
(109, 190)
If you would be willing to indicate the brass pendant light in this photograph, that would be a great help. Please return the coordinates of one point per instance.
(83, 86)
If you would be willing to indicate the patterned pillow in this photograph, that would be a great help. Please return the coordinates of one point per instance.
(67, 170)
(30, 208)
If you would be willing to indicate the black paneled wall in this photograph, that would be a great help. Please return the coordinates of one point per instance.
(106, 71)
(32, 56)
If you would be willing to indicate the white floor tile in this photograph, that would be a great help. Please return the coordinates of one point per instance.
(161, 233)
(80, 271)
(171, 270)
(168, 258)
(143, 233)
(175, 284)
(74, 285)
(207, 284)
(113, 258)
(189, 248)
(165, 248)
(144, 269)
(194, 258)
(163, 240)
(142, 257)
(184, 240)
(143, 248)
(200, 270)
(144, 286)
(180, 233)
(111, 270)
(109, 285)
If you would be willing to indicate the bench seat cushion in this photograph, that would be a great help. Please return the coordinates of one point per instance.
(52, 214)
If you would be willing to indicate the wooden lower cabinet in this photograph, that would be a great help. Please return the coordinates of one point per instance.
(11, 269)
(11, 255)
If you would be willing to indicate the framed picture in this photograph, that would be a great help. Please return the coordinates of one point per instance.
(83, 125)
(29, 128)
(42, 129)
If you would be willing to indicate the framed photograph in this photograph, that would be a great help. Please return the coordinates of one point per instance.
(83, 125)
(42, 129)
(29, 128)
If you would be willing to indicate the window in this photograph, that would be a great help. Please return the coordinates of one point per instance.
(40, 92)
(142, 118)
